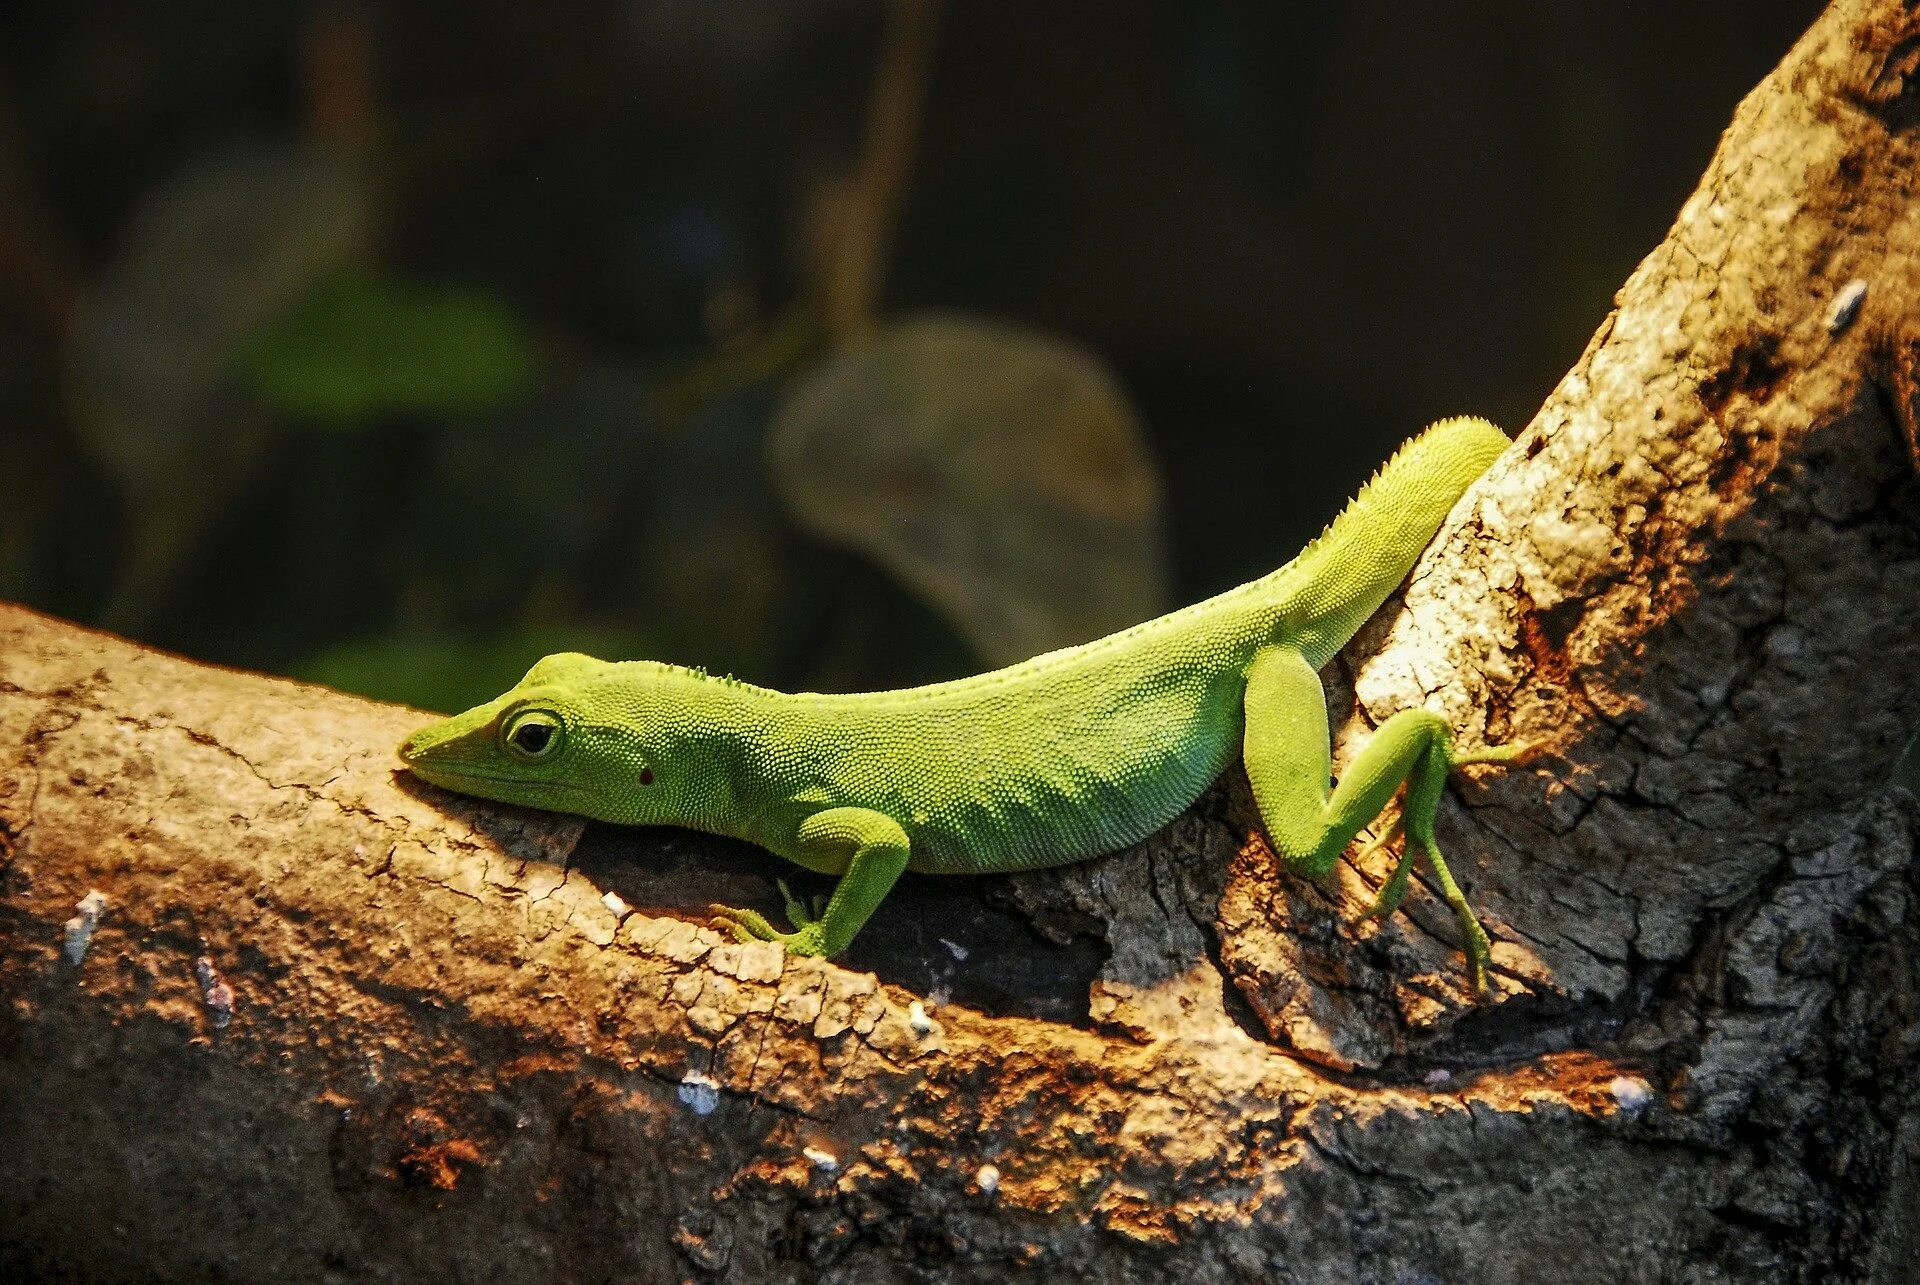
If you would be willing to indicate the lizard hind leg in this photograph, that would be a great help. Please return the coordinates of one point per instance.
(1288, 763)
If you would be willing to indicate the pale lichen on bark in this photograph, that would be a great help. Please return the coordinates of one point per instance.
(452, 1040)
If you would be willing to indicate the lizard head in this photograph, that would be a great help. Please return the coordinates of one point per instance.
(578, 735)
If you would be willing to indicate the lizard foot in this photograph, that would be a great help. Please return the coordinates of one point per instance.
(751, 925)
(1474, 942)
(1516, 753)
(1388, 899)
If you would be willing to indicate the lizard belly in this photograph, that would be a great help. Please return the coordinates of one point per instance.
(1067, 813)
(1002, 775)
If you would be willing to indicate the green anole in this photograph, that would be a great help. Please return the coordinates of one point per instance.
(1054, 760)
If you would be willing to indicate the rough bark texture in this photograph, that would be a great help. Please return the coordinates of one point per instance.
(327, 1024)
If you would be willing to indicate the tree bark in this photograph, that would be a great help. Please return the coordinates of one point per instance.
(323, 1023)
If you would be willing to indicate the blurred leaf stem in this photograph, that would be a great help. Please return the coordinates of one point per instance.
(38, 267)
(339, 61)
(849, 273)
(856, 272)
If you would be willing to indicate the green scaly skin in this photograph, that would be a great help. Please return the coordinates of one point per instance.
(1054, 760)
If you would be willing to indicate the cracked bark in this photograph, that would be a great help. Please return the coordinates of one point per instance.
(444, 1051)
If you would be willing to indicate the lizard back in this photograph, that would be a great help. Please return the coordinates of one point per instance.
(1093, 747)
(1070, 754)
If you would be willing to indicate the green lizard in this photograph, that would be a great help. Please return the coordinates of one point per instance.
(1054, 760)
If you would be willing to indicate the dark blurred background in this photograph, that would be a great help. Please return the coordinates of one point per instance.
(837, 343)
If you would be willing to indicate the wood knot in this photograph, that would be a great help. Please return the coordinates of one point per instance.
(431, 1155)
(1753, 371)
(1894, 92)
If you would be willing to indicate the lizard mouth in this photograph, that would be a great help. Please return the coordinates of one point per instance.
(467, 779)
(438, 773)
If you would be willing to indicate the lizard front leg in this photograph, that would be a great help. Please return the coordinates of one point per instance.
(1289, 760)
(874, 849)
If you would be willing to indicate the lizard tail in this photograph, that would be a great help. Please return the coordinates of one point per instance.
(1342, 577)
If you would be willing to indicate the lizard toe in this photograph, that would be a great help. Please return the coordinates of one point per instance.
(745, 925)
(797, 912)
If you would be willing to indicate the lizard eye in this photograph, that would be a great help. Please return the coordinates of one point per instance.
(532, 734)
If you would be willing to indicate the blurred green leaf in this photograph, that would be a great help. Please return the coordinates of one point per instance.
(232, 242)
(450, 672)
(365, 345)
(997, 470)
